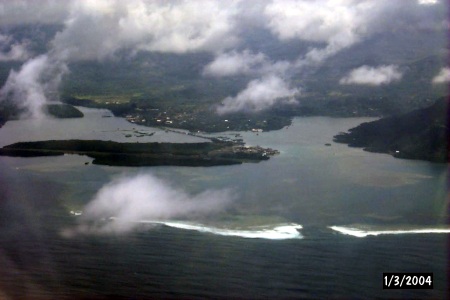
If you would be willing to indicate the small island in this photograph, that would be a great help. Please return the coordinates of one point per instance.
(110, 153)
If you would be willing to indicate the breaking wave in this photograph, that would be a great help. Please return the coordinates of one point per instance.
(271, 232)
(357, 232)
(280, 231)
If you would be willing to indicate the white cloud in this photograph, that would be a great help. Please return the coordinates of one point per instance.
(233, 63)
(333, 25)
(13, 50)
(337, 24)
(100, 29)
(374, 76)
(97, 30)
(427, 2)
(30, 86)
(145, 197)
(316, 21)
(245, 62)
(19, 12)
(442, 77)
(260, 94)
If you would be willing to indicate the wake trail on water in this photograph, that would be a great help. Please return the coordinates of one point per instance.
(361, 233)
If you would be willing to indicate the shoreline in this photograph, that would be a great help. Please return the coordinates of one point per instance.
(214, 153)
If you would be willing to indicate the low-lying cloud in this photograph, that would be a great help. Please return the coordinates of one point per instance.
(244, 63)
(11, 49)
(234, 63)
(34, 84)
(332, 26)
(318, 21)
(442, 77)
(373, 76)
(99, 30)
(121, 204)
(259, 95)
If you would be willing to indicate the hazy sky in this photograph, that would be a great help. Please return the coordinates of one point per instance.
(97, 30)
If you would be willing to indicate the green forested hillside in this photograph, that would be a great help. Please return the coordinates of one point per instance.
(420, 134)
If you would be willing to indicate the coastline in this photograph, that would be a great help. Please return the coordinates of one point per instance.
(110, 153)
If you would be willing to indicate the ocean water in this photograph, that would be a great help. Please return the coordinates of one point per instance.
(315, 221)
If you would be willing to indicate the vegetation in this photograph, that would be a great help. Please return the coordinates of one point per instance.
(170, 90)
(421, 134)
(173, 93)
(63, 111)
(144, 154)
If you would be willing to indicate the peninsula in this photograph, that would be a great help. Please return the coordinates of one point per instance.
(110, 153)
(421, 134)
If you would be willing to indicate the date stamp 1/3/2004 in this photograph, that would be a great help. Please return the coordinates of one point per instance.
(407, 280)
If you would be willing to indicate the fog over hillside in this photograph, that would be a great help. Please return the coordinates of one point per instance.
(238, 56)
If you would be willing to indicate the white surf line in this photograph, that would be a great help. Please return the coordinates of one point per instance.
(271, 232)
(282, 231)
(364, 233)
(274, 232)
